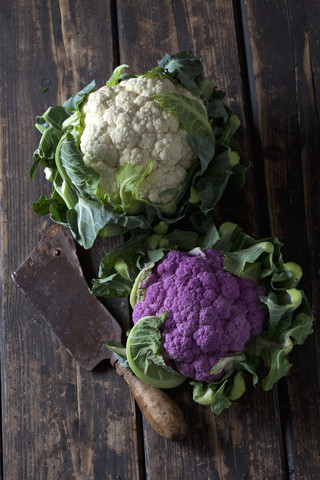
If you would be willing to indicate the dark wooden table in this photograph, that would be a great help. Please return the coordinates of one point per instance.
(61, 422)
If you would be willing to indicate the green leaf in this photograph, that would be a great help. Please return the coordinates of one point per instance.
(137, 293)
(41, 124)
(288, 278)
(122, 268)
(144, 357)
(210, 181)
(280, 306)
(112, 230)
(250, 365)
(55, 116)
(238, 387)
(85, 179)
(211, 237)
(37, 161)
(275, 358)
(114, 79)
(61, 181)
(50, 127)
(239, 172)
(280, 367)
(45, 204)
(119, 352)
(204, 148)
(231, 127)
(127, 251)
(126, 76)
(74, 125)
(161, 228)
(42, 206)
(183, 240)
(302, 327)
(216, 105)
(210, 190)
(184, 67)
(224, 160)
(227, 232)
(129, 177)
(194, 197)
(74, 103)
(220, 400)
(88, 217)
(232, 238)
(58, 212)
(113, 286)
(48, 143)
(155, 72)
(202, 392)
(235, 262)
(207, 89)
(156, 255)
(219, 394)
(192, 116)
(227, 363)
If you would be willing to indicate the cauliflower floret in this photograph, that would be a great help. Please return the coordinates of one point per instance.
(165, 180)
(211, 313)
(167, 149)
(103, 162)
(123, 124)
(133, 155)
(180, 347)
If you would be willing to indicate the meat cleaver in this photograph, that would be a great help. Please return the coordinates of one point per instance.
(52, 279)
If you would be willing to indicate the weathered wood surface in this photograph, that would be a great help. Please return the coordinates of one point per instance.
(60, 422)
(287, 108)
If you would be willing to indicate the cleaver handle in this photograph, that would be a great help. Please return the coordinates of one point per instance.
(162, 414)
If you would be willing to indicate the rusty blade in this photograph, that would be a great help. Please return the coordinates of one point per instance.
(52, 279)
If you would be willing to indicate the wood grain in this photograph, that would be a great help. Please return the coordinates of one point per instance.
(287, 114)
(145, 29)
(59, 420)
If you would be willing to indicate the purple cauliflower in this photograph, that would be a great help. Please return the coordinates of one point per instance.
(211, 313)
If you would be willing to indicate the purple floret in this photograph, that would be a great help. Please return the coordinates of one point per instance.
(211, 313)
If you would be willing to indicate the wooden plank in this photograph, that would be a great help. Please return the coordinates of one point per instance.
(150, 29)
(59, 421)
(215, 35)
(287, 92)
(244, 442)
(304, 22)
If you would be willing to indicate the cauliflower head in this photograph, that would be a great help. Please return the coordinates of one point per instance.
(124, 125)
(211, 313)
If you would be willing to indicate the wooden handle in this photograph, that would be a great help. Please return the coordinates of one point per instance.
(163, 415)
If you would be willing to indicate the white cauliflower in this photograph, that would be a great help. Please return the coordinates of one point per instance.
(145, 148)
(124, 125)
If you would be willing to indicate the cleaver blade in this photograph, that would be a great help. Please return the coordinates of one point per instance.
(52, 279)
